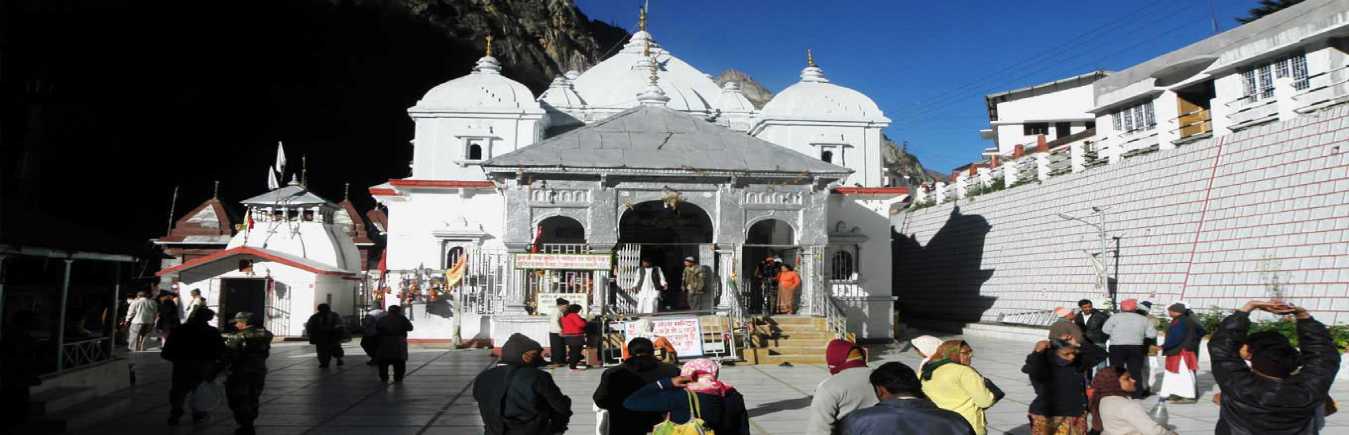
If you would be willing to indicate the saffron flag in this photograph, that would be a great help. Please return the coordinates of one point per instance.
(456, 272)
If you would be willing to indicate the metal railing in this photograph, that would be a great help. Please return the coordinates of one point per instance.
(84, 353)
(1250, 110)
(1192, 123)
(1324, 88)
(1032, 318)
(837, 320)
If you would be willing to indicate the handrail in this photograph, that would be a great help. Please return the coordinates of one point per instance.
(837, 320)
(85, 353)
(1033, 318)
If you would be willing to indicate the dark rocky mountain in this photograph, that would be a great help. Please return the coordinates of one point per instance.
(754, 91)
(109, 104)
(898, 162)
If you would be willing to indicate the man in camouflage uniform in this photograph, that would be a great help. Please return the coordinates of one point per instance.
(246, 354)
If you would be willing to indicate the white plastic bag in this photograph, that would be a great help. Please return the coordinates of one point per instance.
(206, 397)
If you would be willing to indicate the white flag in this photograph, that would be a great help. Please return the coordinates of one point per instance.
(280, 160)
(272, 184)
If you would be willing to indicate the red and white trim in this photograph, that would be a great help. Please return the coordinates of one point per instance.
(264, 254)
(879, 191)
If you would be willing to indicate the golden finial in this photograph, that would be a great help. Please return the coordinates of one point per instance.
(641, 18)
(653, 77)
(810, 58)
(489, 45)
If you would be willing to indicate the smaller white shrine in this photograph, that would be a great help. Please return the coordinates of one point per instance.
(291, 254)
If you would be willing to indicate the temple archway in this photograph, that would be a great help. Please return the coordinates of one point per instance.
(667, 234)
(766, 241)
(557, 230)
(770, 232)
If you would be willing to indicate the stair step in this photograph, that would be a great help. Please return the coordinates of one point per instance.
(41, 426)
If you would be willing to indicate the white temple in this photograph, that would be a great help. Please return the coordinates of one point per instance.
(642, 155)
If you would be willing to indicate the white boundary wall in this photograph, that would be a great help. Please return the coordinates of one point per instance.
(1210, 223)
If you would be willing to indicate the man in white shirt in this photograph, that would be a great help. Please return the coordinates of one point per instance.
(650, 283)
(141, 318)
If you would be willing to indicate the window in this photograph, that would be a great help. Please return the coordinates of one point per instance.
(827, 156)
(1035, 128)
(1134, 118)
(473, 149)
(1258, 81)
(843, 266)
(1062, 129)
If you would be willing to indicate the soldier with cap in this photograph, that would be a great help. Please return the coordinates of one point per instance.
(246, 354)
(695, 283)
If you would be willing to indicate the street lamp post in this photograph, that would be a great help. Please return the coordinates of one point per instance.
(1104, 269)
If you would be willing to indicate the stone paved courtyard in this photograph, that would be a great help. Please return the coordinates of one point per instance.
(436, 399)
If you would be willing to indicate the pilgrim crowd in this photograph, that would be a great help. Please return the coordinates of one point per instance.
(1090, 375)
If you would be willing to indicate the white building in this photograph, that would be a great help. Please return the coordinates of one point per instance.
(1055, 110)
(686, 168)
(1287, 64)
(294, 256)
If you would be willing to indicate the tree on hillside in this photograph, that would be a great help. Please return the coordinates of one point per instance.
(1267, 7)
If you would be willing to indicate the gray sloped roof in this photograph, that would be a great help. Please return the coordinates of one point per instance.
(657, 137)
(290, 195)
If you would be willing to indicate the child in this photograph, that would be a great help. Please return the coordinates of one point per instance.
(574, 334)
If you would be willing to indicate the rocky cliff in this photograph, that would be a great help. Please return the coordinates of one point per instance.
(898, 162)
(535, 39)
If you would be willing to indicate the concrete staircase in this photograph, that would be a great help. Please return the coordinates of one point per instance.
(792, 339)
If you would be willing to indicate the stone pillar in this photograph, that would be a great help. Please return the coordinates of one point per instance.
(1284, 92)
(962, 184)
(1077, 152)
(1167, 112)
(985, 177)
(1010, 173)
(729, 270)
(941, 192)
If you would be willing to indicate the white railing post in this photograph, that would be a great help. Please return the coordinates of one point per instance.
(920, 194)
(1078, 156)
(1041, 166)
(941, 192)
(1284, 96)
(1218, 112)
(962, 186)
(1010, 173)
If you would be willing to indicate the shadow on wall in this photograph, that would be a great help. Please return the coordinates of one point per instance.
(938, 285)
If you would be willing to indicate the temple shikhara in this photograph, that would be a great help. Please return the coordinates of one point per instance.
(515, 199)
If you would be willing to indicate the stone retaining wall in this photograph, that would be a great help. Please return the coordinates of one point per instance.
(1212, 223)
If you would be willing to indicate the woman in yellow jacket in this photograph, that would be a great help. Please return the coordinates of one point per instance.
(950, 382)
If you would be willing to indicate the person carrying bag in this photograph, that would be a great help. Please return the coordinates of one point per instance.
(695, 425)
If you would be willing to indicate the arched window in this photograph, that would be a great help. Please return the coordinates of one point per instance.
(827, 156)
(474, 151)
(453, 255)
(843, 266)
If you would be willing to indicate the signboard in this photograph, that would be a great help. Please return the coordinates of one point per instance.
(685, 333)
(546, 302)
(562, 261)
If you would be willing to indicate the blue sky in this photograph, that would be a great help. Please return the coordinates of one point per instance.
(927, 64)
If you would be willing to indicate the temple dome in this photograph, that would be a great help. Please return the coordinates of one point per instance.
(815, 98)
(615, 83)
(484, 88)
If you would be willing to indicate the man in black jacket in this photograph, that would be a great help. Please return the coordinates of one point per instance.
(326, 333)
(194, 351)
(903, 409)
(1267, 398)
(1090, 320)
(617, 383)
(515, 397)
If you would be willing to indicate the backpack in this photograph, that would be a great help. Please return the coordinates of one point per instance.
(692, 427)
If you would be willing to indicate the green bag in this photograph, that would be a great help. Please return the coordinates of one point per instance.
(693, 427)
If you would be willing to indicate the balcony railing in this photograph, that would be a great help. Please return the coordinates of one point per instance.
(1192, 125)
(1324, 89)
(1252, 110)
(76, 354)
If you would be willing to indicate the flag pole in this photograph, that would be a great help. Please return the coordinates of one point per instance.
(173, 203)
